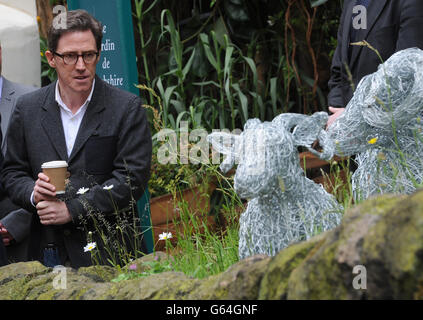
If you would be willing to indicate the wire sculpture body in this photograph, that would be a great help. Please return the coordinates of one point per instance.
(382, 126)
(284, 206)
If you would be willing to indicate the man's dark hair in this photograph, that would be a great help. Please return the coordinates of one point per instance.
(71, 21)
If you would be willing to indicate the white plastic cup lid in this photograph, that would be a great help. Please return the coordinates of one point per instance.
(54, 164)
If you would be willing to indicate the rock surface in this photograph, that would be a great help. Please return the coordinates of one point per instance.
(376, 253)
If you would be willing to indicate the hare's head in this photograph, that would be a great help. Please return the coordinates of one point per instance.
(394, 90)
(266, 153)
(391, 95)
(261, 153)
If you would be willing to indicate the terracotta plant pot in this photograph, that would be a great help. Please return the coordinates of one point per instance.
(166, 212)
(314, 167)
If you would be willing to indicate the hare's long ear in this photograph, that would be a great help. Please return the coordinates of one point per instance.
(288, 120)
(251, 124)
(225, 143)
(309, 130)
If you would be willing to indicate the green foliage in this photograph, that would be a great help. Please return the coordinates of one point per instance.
(203, 249)
(315, 3)
(169, 178)
(218, 63)
(48, 74)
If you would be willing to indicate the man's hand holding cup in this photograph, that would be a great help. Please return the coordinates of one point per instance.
(50, 183)
(43, 189)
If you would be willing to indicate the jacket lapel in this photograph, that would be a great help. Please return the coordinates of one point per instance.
(92, 118)
(6, 105)
(346, 28)
(7, 93)
(52, 123)
(373, 12)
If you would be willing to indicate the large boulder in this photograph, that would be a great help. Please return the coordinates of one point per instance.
(376, 253)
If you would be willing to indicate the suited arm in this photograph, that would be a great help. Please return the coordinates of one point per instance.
(411, 23)
(335, 84)
(16, 173)
(18, 224)
(132, 161)
(2, 191)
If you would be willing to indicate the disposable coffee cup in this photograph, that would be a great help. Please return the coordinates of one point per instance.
(57, 172)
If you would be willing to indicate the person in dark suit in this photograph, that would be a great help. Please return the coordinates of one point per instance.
(14, 221)
(387, 25)
(3, 255)
(101, 131)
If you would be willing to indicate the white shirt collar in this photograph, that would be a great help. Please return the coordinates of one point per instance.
(65, 107)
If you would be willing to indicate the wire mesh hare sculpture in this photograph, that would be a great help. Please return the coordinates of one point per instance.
(284, 206)
(382, 126)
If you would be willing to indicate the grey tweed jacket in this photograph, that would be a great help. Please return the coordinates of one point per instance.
(112, 148)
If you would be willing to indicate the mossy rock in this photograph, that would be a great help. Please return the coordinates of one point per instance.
(383, 234)
(275, 282)
(240, 282)
(142, 264)
(99, 273)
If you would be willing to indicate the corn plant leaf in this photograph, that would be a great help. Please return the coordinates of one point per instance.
(221, 32)
(150, 7)
(230, 100)
(228, 61)
(174, 36)
(171, 120)
(180, 118)
(259, 101)
(206, 83)
(200, 64)
(253, 68)
(168, 94)
(315, 3)
(206, 45)
(187, 67)
(310, 82)
(243, 106)
(178, 105)
(273, 94)
(165, 96)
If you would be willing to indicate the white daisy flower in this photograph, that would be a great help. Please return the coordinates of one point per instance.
(90, 246)
(108, 187)
(82, 190)
(165, 236)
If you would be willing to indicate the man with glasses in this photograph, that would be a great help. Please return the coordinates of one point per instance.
(101, 131)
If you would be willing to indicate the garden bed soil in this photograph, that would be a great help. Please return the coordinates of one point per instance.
(318, 170)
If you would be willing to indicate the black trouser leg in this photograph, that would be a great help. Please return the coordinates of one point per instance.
(3, 255)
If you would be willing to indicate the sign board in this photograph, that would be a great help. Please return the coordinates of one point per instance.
(118, 64)
(118, 67)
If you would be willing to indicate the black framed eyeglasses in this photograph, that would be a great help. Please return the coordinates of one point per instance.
(72, 58)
